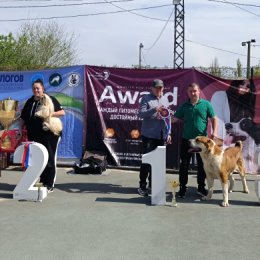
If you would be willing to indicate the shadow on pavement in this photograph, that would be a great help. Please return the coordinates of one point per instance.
(6, 187)
(105, 188)
(192, 197)
(135, 200)
(6, 196)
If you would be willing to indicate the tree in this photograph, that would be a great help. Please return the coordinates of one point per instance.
(7, 51)
(239, 69)
(215, 69)
(257, 71)
(38, 45)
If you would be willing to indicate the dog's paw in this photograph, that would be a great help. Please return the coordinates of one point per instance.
(230, 191)
(224, 204)
(246, 191)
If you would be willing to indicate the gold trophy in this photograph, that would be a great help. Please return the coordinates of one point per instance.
(7, 114)
(174, 185)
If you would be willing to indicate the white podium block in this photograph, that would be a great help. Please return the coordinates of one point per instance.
(38, 158)
(257, 189)
(157, 160)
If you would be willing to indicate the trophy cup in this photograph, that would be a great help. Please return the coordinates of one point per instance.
(174, 185)
(7, 115)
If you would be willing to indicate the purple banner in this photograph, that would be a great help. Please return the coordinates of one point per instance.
(113, 96)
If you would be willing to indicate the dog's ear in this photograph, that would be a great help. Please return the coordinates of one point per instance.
(44, 100)
(210, 142)
(210, 145)
(214, 147)
(218, 142)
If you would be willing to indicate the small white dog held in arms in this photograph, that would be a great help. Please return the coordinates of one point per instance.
(45, 111)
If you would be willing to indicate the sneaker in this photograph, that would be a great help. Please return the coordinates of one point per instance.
(142, 192)
(182, 193)
(49, 189)
(202, 192)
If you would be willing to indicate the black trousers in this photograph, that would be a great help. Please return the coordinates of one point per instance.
(48, 175)
(148, 145)
(185, 157)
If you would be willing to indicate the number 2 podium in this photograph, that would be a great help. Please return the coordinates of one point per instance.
(38, 158)
(157, 160)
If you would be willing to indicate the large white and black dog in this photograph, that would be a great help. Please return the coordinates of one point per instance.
(45, 111)
(248, 132)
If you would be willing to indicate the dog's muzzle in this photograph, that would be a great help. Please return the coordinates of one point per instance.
(193, 148)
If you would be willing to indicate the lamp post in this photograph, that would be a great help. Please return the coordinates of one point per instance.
(140, 55)
(248, 43)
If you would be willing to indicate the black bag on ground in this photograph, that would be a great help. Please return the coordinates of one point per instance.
(93, 162)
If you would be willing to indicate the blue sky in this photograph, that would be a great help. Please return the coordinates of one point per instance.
(114, 39)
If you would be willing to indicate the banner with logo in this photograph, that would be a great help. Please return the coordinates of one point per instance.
(113, 97)
(67, 85)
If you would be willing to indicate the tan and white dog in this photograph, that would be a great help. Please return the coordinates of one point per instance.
(220, 164)
(45, 111)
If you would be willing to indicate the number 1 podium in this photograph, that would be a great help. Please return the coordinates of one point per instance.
(38, 158)
(157, 160)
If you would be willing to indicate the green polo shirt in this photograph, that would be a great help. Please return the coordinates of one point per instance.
(195, 118)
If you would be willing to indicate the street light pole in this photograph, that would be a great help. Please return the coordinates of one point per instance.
(140, 55)
(248, 43)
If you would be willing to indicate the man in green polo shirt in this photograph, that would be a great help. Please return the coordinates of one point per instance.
(195, 114)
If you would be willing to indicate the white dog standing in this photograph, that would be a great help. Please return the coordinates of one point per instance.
(45, 111)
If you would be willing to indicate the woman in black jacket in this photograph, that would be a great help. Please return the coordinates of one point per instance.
(36, 133)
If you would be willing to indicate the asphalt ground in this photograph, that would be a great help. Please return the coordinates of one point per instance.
(103, 217)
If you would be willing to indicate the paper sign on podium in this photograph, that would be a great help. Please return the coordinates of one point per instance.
(157, 160)
(38, 158)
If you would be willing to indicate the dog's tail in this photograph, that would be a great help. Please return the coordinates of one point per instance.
(239, 144)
